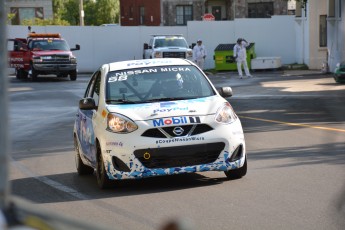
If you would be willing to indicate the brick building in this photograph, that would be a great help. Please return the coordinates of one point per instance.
(179, 12)
(140, 12)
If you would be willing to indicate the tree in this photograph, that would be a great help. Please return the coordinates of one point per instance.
(107, 11)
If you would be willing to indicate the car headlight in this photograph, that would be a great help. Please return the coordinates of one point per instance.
(226, 114)
(158, 54)
(189, 54)
(120, 124)
(36, 59)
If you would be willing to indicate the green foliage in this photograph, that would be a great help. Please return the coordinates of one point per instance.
(96, 12)
(9, 17)
(44, 22)
(70, 11)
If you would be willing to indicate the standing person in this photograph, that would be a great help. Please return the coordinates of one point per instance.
(199, 54)
(240, 53)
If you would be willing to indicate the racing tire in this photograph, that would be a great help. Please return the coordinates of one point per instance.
(237, 173)
(101, 174)
(73, 76)
(82, 169)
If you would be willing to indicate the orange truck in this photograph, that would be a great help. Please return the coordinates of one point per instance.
(42, 54)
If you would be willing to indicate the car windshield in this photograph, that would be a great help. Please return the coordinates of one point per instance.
(163, 83)
(49, 44)
(170, 42)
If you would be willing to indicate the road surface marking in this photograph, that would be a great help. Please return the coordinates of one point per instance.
(294, 124)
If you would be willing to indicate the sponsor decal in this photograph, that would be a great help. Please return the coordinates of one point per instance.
(164, 110)
(178, 140)
(114, 143)
(175, 121)
(117, 78)
(175, 69)
(104, 113)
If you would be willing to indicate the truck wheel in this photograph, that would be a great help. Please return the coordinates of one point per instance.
(34, 74)
(73, 76)
(21, 74)
(18, 73)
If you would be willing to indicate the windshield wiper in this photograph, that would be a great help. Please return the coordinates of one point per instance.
(120, 101)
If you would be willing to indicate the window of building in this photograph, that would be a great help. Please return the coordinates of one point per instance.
(331, 8)
(184, 14)
(323, 31)
(131, 12)
(260, 10)
(141, 15)
(340, 8)
(26, 13)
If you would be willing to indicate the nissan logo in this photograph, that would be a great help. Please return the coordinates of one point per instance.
(178, 131)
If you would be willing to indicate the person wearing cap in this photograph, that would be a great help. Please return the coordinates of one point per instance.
(199, 54)
(240, 54)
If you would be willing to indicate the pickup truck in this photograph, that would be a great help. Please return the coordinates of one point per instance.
(167, 46)
(42, 54)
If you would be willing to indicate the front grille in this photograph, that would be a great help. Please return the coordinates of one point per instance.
(174, 55)
(168, 132)
(179, 156)
(56, 59)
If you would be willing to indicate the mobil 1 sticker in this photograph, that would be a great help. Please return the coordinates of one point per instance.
(183, 120)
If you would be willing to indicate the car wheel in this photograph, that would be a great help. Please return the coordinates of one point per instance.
(73, 76)
(102, 177)
(237, 173)
(82, 169)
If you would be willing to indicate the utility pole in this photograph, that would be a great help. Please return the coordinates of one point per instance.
(4, 137)
(81, 12)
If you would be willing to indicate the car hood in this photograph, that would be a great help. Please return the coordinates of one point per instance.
(148, 111)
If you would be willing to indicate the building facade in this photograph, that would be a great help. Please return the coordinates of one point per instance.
(179, 12)
(28, 9)
(320, 27)
(140, 13)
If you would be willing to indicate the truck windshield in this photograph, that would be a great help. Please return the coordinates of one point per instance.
(49, 44)
(170, 42)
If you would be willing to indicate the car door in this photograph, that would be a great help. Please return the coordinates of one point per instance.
(85, 120)
(16, 52)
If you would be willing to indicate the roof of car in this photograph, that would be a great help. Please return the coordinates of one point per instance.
(132, 64)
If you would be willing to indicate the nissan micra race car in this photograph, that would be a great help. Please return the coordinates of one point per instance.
(146, 118)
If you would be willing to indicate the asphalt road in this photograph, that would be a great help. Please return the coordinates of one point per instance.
(295, 133)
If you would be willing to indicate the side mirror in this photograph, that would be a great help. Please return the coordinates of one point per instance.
(77, 47)
(87, 104)
(225, 91)
(146, 46)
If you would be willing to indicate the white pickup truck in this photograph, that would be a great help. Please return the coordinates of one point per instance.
(167, 46)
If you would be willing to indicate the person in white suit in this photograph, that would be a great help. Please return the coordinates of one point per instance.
(240, 54)
(199, 54)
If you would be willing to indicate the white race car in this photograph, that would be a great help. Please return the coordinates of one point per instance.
(145, 118)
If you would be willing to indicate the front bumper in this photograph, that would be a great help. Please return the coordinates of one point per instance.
(148, 157)
(55, 68)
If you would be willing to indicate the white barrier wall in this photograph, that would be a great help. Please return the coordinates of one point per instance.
(274, 37)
